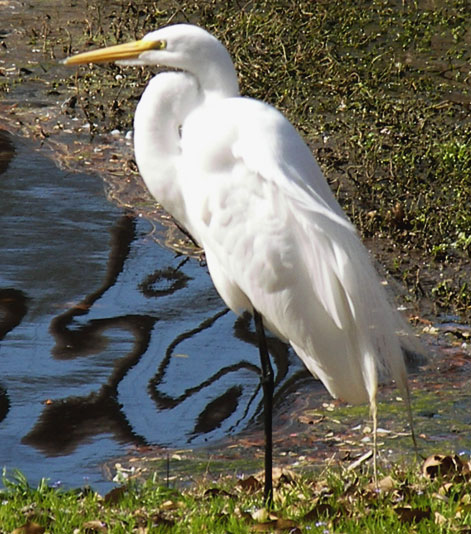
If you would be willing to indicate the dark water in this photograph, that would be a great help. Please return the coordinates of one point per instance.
(106, 340)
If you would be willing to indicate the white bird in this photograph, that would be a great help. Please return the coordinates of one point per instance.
(236, 174)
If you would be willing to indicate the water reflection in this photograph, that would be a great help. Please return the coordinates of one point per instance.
(7, 150)
(12, 310)
(67, 423)
(231, 401)
(12, 301)
(89, 339)
(108, 339)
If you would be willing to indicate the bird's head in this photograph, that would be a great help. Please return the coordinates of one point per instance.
(180, 46)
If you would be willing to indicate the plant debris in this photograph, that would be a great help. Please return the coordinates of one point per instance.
(331, 501)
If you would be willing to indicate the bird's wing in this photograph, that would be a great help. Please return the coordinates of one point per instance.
(257, 185)
(276, 239)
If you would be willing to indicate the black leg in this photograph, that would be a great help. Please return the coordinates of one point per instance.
(268, 387)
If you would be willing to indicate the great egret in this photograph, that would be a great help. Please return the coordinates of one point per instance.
(236, 174)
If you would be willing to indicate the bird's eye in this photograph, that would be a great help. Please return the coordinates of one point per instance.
(160, 45)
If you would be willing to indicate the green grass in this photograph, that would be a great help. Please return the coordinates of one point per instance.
(334, 501)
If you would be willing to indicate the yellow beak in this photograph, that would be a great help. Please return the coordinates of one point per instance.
(114, 53)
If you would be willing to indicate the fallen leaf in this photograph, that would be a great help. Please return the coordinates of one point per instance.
(261, 515)
(160, 520)
(320, 510)
(412, 515)
(439, 519)
(444, 489)
(263, 527)
(385, 485)
(250, 484)
(169, 505)
(95, 526)
(115, 495)
(466, 499)
(243, 514)
(29, 528)
(285, 524)
(283, 476)
(441, 465)
(440, 497)
(310, 420)
(360, 460)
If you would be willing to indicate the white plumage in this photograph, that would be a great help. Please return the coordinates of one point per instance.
(238, 176)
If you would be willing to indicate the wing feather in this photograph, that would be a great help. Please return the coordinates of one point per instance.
(276, 239)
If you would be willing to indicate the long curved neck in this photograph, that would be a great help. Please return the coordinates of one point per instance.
(160, 115)
(163, 107)
(193, 50)
(217, 77)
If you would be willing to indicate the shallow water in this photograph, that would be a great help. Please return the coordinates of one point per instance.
(107, 342)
